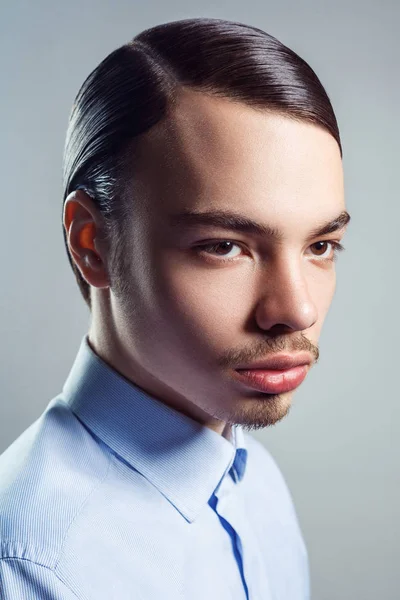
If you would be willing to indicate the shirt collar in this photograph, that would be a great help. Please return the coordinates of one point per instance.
(185, 460)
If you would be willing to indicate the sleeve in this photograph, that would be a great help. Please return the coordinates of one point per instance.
(22, 579)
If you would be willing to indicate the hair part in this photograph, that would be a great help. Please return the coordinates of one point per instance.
(135, 87)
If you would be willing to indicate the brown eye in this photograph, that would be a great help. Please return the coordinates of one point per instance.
(223, 249)
(319, 248)
(332, 256)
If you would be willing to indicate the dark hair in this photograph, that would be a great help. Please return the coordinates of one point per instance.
(133, 88)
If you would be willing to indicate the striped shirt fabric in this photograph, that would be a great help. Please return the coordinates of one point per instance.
(111, 494)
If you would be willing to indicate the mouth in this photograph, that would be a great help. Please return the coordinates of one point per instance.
(272, 381)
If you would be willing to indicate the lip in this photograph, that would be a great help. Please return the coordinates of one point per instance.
(280, 362)
(272, 381)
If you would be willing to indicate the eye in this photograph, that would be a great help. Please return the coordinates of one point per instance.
(223, 248)
(224, 245)
(332, 256)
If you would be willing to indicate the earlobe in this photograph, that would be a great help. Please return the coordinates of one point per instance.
(92, 269)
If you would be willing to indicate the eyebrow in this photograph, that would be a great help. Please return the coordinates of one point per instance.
(236, 222)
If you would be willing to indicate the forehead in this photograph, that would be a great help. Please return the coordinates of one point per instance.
(226, 154)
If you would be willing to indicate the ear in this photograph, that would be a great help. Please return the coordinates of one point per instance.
(82, 222)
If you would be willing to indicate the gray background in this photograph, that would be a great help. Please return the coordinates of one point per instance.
(339, 447)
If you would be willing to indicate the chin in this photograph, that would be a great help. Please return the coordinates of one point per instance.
(260, 410)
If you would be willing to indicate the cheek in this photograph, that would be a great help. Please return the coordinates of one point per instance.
(211, 304)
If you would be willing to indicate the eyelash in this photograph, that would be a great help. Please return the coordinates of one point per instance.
(337, 247)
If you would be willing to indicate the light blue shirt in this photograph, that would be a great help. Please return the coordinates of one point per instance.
(111, 494)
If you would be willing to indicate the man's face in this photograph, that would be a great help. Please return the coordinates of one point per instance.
(189, 315)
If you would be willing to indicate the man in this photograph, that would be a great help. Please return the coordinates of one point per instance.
(202, 213)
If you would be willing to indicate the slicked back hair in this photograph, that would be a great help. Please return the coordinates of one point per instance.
(135, 86)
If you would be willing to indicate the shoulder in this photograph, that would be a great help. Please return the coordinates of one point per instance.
(46, 474)
(22, 578)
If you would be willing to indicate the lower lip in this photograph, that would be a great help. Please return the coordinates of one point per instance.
(273, 381)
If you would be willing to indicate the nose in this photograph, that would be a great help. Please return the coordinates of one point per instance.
(285, 298)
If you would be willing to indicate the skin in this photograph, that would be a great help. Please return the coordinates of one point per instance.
(184, 320)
